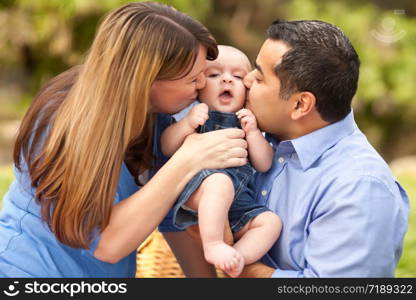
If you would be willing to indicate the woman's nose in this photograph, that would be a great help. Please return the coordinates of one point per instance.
(248, 80)
(200, 81)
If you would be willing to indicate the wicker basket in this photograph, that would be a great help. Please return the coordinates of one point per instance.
(156, 260)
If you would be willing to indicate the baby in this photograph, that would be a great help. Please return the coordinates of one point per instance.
(213, 195)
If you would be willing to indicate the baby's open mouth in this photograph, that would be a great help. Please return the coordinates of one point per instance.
(225, 97)
(226, 94)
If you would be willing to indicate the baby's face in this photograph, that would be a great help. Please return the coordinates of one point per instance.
(224, 90)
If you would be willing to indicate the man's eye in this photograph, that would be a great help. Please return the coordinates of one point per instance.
(257, 79)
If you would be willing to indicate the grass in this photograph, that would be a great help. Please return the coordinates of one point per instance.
(6, 177)
(407, 264)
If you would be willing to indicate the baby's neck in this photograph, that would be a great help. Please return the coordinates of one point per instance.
(213, 108)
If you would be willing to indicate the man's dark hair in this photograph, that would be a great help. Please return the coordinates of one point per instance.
(321, 60)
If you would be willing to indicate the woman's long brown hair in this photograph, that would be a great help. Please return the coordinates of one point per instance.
(86, 121)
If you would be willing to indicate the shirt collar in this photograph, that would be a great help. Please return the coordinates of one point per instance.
(312, 145)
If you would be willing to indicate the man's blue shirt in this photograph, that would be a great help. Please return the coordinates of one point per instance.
(343, 212)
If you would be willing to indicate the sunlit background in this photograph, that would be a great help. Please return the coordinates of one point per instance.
(41, 38)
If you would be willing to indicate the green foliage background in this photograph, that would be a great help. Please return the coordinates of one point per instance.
(41, 38)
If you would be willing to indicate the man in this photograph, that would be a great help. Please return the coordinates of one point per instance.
(343, 213)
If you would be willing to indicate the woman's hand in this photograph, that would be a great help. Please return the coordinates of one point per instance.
(218, 149)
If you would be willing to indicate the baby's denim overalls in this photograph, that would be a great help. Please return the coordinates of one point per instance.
(243, 207)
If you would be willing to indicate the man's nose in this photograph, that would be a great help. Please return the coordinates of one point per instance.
(248, 80)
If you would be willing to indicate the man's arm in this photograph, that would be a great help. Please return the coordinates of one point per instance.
(257, 270)
(357, 230)
(173, 136)
(189, 254)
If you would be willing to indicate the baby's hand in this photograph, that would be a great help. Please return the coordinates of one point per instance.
(248, 120)
(198, 115)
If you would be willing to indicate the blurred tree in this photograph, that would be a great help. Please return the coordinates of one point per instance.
(41, 38)
(384, 35)
(385, 42)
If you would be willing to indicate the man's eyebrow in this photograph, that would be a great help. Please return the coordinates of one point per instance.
(258, 68)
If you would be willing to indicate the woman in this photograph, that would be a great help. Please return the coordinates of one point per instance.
(74, 209)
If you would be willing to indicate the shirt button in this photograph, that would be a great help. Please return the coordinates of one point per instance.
(263, 192)
(281, 159)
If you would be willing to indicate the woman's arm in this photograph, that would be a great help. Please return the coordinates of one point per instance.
(134, 218)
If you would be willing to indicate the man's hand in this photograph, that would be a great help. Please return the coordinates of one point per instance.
(194, 233)
(257, 270)
(197, 116)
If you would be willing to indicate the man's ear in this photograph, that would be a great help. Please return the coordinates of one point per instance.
(303, 104)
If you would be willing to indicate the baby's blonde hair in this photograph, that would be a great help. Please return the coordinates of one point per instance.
(249, 65)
